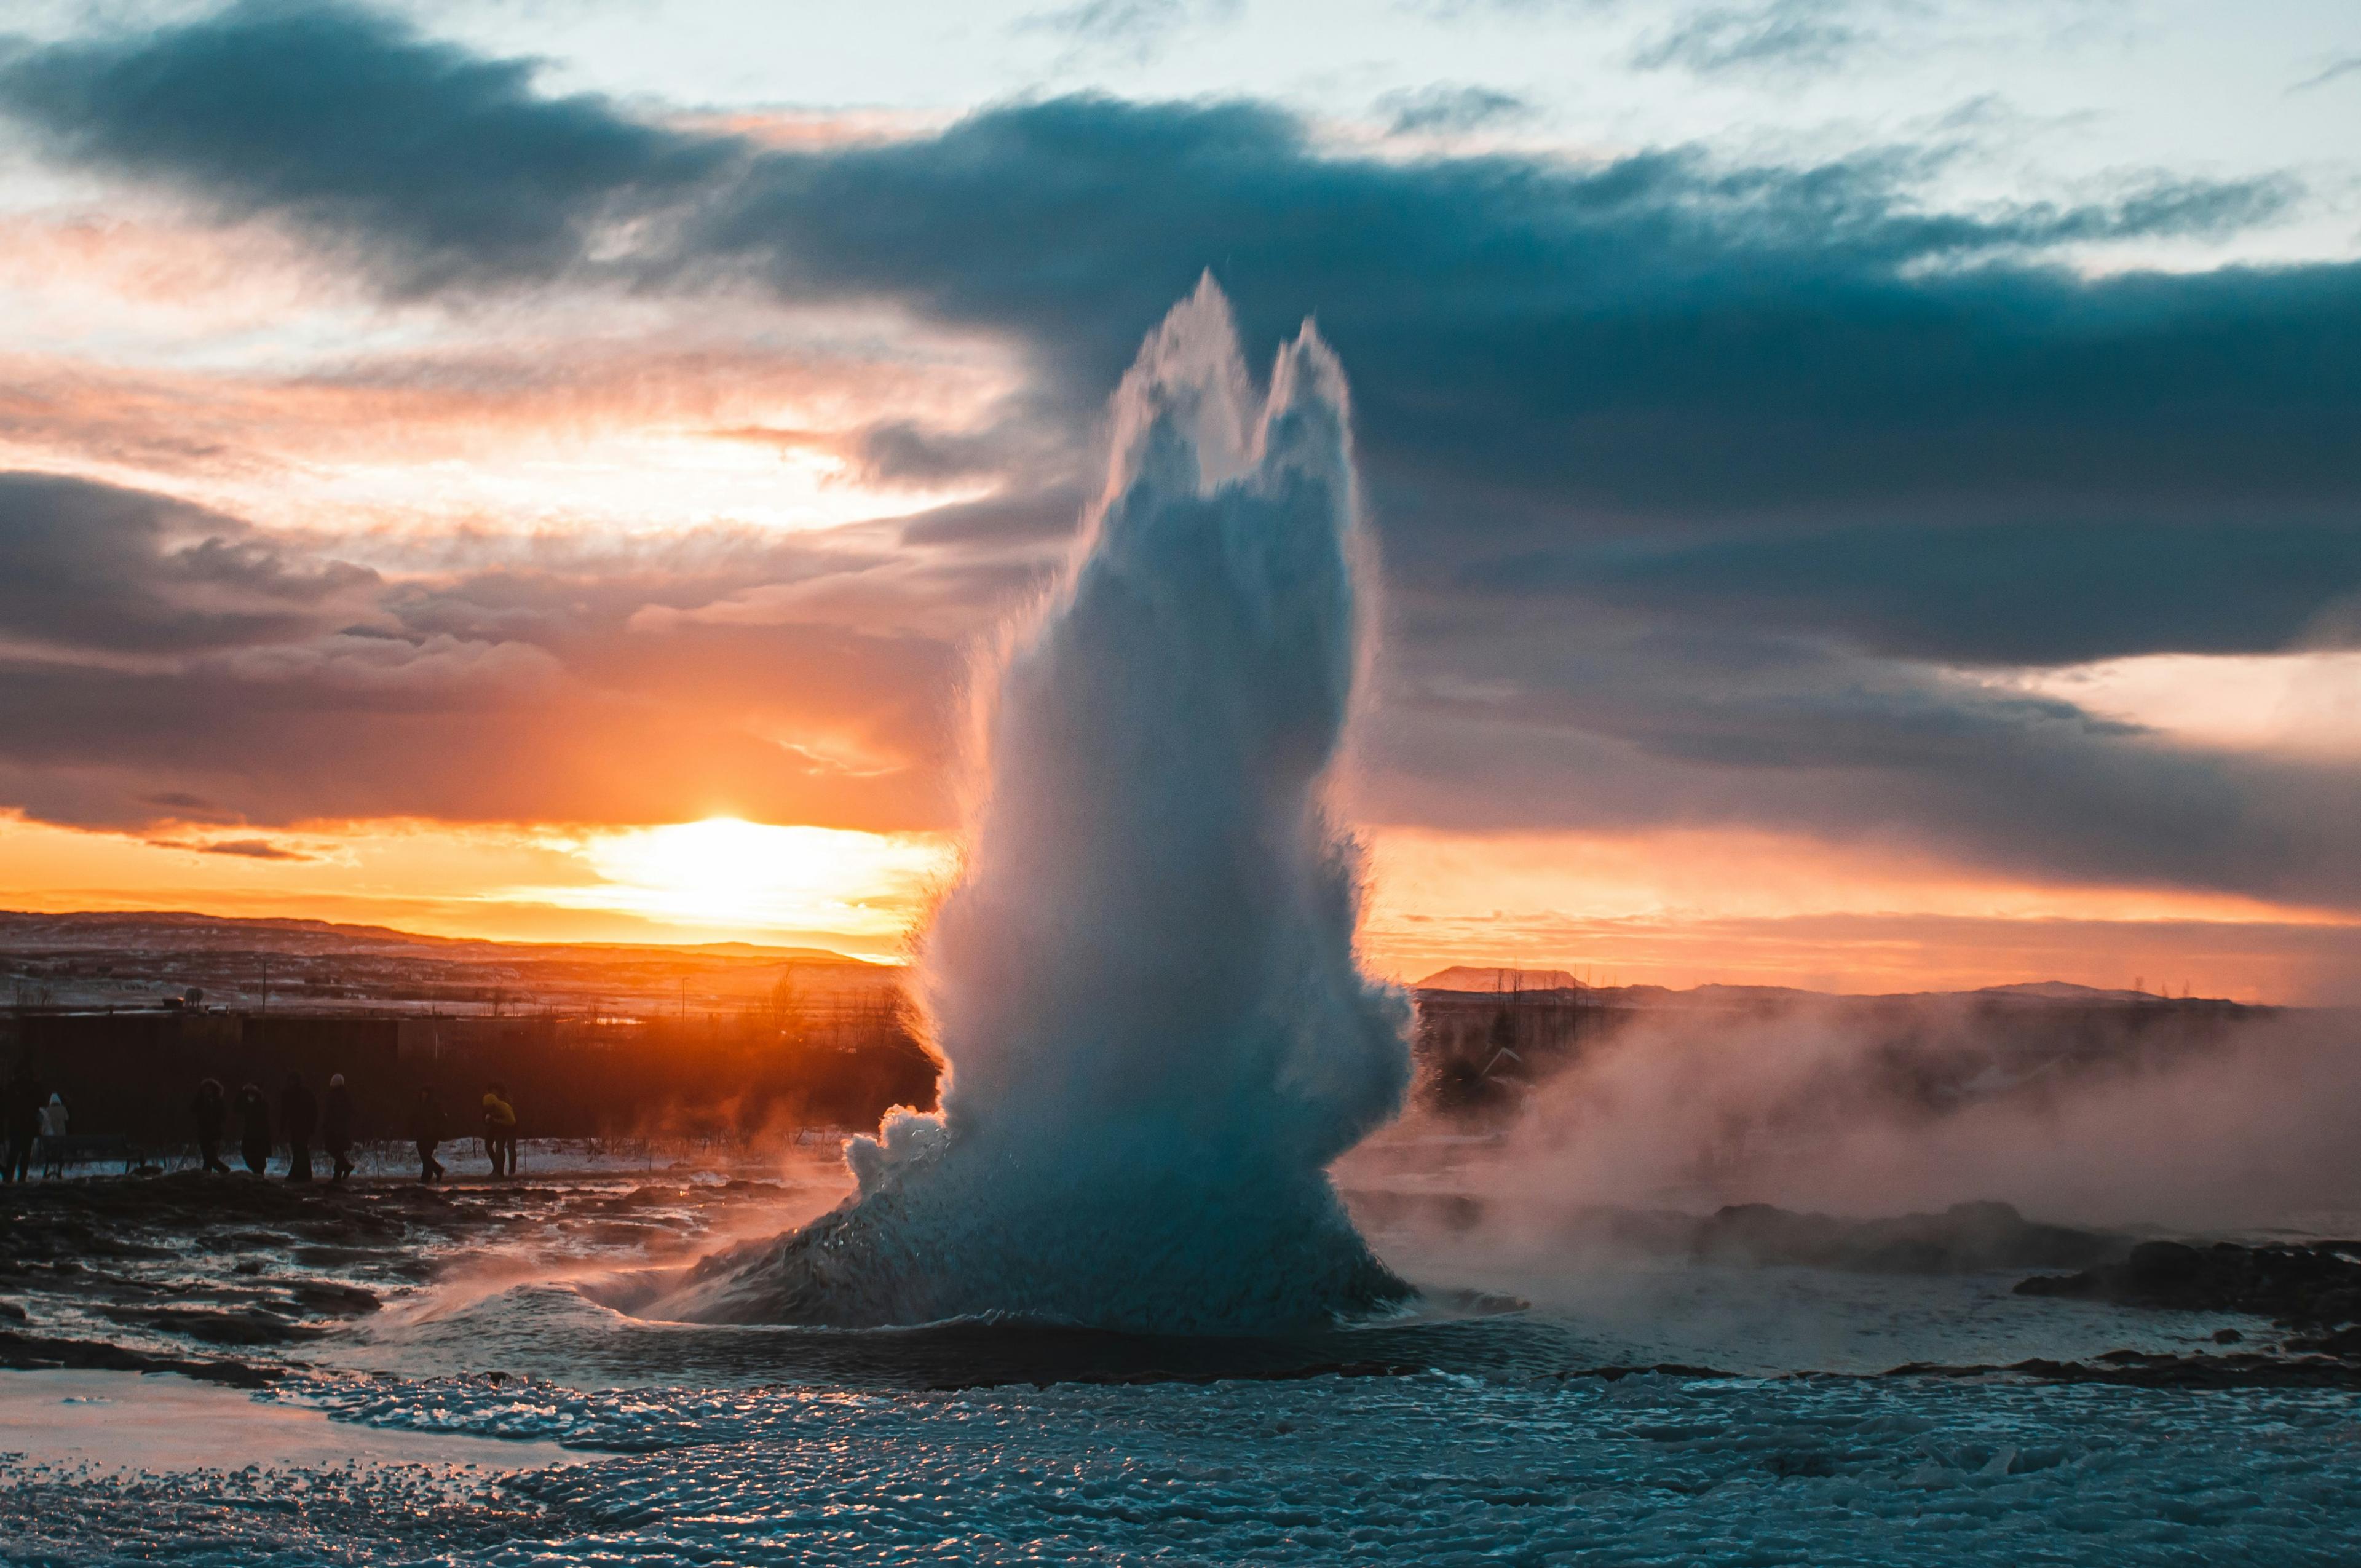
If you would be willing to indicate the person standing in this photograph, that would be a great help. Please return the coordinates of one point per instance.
(426, 1131)
(336, 1127)
(210, 1110)
(499, 1129)
(254, 1128)
(20, 1119)
(53, 1137)
(299, 1114)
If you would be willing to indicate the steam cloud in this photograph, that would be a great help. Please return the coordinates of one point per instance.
(1144, 981)
(2236, 1125)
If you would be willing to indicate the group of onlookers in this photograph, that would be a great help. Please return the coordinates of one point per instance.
(300, 1117)
(34, 1121)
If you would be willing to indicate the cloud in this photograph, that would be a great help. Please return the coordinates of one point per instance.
(1689, 473)
(1796, 35)
(1656, 334)
(348, 122)
(2037, 593)
(2333, 72)
(1138, 30)
(789, 678)
(243, 849)
(1440, 108)
(1543, 346)
(906, 450)
(93, 566)
(1626, 722)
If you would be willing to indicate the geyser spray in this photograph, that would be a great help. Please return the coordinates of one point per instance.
(1142, 980)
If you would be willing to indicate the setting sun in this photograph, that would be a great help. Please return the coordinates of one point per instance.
(724, 872)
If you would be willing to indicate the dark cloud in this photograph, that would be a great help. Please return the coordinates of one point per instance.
(1443, 108)
(1658, 337)
(2016, 593)
(442, 166)
(242, 849)
(1631, 725)
(94, 567)
(906, 450)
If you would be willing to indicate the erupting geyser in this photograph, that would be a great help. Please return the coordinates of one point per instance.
(1143, 978)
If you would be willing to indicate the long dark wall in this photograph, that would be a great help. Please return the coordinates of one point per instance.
(136, 1073)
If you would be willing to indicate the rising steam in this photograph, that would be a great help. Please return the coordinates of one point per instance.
(1144, 981)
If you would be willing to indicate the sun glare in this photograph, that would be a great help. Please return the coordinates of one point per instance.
(724, 872)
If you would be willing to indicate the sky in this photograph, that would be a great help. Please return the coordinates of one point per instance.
(1865, 491)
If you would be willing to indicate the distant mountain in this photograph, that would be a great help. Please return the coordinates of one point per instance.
(1465, 980)
(112, 930)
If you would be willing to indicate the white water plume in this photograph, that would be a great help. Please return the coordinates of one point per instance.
(1144, 981)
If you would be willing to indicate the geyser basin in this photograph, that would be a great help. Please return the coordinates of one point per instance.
(1143, 982)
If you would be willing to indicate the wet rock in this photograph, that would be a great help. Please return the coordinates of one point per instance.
(2344, 1342)
(2163, 1266)
(13, 1312)
(2297, 1287)
(2139, 1369)
(35, 1353)
(334, 1300)
(1966, 1238)
(249, 1327)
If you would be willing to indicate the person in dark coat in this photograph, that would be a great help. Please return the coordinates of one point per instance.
(254, 1128)
(299, 1116)
(426, 1131)
(336, 1127)
(210, 1110)
(20, 1119)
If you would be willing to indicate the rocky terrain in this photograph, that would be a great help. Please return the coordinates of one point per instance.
(2314, 1291)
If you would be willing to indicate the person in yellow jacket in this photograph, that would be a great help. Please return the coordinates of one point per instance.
(499, 1129)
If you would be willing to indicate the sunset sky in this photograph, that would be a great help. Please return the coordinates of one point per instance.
(1867, 491)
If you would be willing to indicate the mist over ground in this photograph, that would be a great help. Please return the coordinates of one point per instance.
(2173, 1117)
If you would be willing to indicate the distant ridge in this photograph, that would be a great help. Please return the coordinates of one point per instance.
(21, 929)
(2067, 990)
(1462, 977)
(1469, 979)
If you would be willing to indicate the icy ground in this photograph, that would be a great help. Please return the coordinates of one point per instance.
(1489, 1438)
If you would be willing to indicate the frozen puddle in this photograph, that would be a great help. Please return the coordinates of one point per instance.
(131, 1422)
